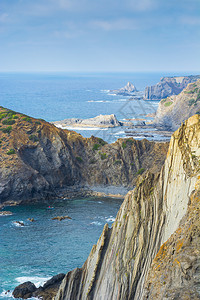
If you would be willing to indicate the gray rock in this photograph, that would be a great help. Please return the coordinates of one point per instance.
(128, 90)
(98, 121)
(24, 290)
(168, 86)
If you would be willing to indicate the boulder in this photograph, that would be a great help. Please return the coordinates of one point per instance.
(24, 290)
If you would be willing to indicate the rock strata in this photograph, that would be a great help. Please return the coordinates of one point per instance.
(152, 250)
(40, 161)
(168, 86)
(174, 110)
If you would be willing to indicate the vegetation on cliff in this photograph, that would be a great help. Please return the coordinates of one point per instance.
(38, 160)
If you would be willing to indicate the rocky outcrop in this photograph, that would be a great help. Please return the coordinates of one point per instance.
(147, 239)
(102, 121)
(174, 110)
(168, 86)
(46, 292)
(40, 161)
(128, 90)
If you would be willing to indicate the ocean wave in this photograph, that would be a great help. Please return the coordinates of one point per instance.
(15, 223)
(96, 223)
(6, 294)
(38, 281)
(110, 219)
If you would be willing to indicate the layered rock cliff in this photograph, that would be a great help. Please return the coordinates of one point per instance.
(174, 110)
(168, 86)
(152, 250)
(38, 160)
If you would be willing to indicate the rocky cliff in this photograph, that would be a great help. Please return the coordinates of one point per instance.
(152, 250)
(174, 110)
(168, 86)
(40, 161)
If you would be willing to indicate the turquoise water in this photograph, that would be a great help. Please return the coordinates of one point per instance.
(47, 247)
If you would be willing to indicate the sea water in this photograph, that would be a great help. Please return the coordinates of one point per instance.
(57, 96)
(43, 248)
(46, 247)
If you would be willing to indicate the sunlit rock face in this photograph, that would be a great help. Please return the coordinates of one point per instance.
(152, 249)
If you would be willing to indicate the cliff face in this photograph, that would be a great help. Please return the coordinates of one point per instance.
(168, 86)
(120, 265)
(174, 110)
(37, 160)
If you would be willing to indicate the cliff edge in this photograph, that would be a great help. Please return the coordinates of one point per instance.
(168, 86)
(152, 250)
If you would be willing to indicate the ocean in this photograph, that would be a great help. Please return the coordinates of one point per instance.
(57, 96)
(44, 248)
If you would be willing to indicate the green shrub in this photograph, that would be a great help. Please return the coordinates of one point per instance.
(7, 129)
(15, 117)
(103, 156)
(33, 138)
(140, 171)
(79, 159)
(10, 152)
(124, 145)
(191, 101)
(8, 122)
(96, 147)
(117, 162)
(38, 122)
(101, 142)
(168, 104)
(92, 161)
(2, 116)
(129, 141)
(27, 119)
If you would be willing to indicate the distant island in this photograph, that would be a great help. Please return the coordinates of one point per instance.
(127, 90)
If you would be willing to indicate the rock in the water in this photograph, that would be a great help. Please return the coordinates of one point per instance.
(19, 223)
(128, 90)
(5, 213)
(99, 121)
(24, 290)
(60, 218)
(168, 86)
(31, 219)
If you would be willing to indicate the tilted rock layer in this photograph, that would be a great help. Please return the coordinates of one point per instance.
(168, 86)
(174, 110)
(152, 250)
(37, 160)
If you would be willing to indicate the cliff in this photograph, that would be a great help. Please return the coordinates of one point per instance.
(168, 86)
(40, 161)
(102, 121)
(152, 249)
(174, 110)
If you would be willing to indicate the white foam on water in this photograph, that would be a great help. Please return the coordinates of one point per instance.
(96, 223)
(38, 281)
(6, 294)
(17, 224)
(82, 128)
(110, 219)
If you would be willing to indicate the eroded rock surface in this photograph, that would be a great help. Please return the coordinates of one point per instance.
(40, 161)
(168, 86)
(174, 110)
(120, 265)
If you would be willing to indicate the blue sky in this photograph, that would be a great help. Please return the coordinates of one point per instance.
(100, 35)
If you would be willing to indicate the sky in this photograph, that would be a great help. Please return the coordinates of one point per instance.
(100, 35)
